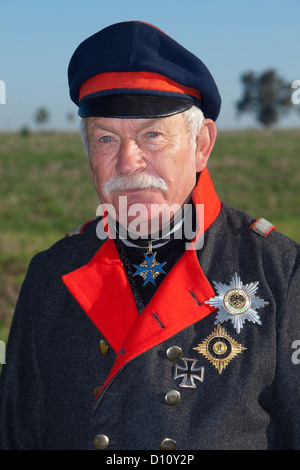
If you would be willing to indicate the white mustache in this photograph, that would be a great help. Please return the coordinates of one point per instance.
(135, 181)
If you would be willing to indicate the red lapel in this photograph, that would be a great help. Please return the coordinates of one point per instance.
(177, 304)
(102, 289)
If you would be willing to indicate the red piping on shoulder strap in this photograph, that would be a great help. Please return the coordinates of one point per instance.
(262, 226)
(78, 230)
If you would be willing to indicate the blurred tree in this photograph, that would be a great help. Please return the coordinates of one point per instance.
(70, 117)
(265, 95)
(41, 116)
(24, 131)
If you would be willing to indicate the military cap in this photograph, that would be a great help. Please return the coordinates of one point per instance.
(133, 69)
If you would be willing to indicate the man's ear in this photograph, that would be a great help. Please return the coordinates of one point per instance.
(205, 141)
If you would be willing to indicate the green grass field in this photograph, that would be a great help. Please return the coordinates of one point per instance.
(46, 190)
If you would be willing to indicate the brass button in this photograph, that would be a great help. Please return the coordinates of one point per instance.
(103, 346)
(174, 353)
(173, 397)
(101, 441)
(168, 444)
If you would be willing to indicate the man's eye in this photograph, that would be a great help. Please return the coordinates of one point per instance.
(106, 138)
(153, 134)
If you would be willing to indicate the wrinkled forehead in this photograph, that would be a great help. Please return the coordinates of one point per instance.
(175, 122)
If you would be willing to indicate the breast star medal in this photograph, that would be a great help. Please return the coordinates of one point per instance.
(237, 302)
(149, 269)
(219, 348)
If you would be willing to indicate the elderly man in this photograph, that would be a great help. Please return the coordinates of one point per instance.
(153, 327)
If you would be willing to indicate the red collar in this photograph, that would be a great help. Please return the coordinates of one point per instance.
(204, 193)
(102, 289)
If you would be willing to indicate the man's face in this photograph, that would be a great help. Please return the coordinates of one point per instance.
(149, 162)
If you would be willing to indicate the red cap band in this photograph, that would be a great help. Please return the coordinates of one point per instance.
(134, 80)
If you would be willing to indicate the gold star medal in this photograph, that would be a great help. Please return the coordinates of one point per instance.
(237, 302)
(219, 348)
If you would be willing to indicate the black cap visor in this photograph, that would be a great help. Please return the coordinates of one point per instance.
(133, 106)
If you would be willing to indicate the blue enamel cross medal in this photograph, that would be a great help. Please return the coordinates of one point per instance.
(149, 269)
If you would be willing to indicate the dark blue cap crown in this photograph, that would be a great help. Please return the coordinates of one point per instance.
(133, 69)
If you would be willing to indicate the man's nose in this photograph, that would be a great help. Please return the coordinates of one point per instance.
(130, 158)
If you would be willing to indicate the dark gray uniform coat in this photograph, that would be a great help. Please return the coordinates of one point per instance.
(222, 387)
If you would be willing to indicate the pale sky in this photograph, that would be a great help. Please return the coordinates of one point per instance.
(37, 39)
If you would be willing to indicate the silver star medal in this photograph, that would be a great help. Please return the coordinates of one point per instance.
(237, 302)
